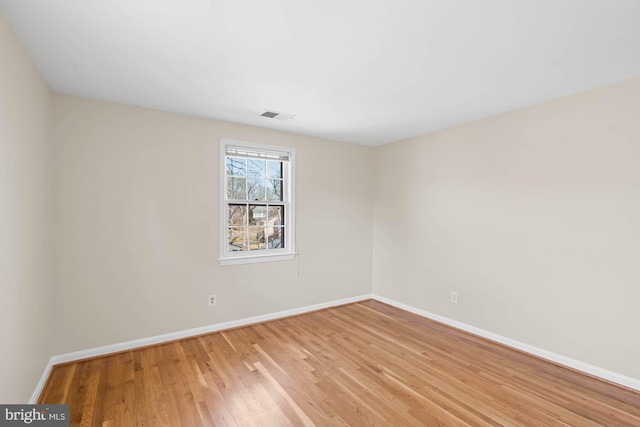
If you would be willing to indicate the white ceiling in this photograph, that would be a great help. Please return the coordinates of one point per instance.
(361, 71)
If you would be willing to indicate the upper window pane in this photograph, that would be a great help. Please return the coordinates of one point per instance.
(274, 169)
(274, 189)
(255, 187)
(256, 168)
(236, 166)
(236, 188)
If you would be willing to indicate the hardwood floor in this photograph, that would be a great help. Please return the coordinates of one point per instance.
(362, 364)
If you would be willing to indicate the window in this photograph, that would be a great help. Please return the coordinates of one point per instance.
(256, 202)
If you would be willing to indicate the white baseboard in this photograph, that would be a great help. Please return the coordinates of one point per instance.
(613, 377)
(158, 339)
(43, 379)
(128, 345)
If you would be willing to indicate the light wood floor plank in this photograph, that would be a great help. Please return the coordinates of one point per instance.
(363, 364)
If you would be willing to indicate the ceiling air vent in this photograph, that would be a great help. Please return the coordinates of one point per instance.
(276, 115)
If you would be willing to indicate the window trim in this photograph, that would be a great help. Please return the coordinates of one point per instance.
(244, 257)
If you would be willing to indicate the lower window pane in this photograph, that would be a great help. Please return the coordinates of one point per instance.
(255, 227)
(257, 215)
(257, 238)
(275, 237)
(276, 215)
(237, 215)
(237, 239)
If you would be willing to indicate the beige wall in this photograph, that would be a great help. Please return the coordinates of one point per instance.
(136, 225)
(532, 216)
(25, 298)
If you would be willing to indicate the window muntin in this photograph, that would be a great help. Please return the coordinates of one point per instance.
(257, 209)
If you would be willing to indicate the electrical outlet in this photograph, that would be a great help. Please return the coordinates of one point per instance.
(212, 300)
(454, 297)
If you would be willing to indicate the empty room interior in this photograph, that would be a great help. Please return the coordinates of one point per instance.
(218, 212)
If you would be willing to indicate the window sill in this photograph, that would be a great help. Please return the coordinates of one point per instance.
(256, 258)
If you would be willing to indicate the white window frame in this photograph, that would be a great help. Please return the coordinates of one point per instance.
(227, 257)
